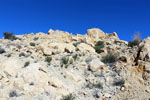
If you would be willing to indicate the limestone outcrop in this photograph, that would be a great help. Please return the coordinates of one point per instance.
(58, 65)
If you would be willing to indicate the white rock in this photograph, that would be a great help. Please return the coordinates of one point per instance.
(47, 51)
(96, 65)
(95, 33)
(31, 74)
(85, 48)
(73, 76)
(11, 66)
(56, 82)
(145, 49)
(50, 31)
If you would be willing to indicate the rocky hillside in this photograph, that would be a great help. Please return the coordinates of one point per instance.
(62, 66)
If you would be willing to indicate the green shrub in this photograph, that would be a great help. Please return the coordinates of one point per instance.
(75, 44)
(65, 60)
(68, 97)
(9, 36)
(75, 57)
(115, 41)
(134, 43)
(119, 82)
(9, 55)
(26, 64)
(98, 46)
(48, 59)
(98, 85)
(32, 44)
(109, 58)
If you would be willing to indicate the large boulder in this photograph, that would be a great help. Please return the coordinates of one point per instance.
(47, 51)
(96, 65)
(59, 36)
(95, 33)
(85, 48)
(61, 47)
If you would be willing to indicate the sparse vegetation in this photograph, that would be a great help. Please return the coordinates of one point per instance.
(98, 46)
(2, 50)
(98, 85)
(9, 55)
(134, 43)
(119, 83)
(68, 97)
(75, 44)
(32, 44)
(115, 41)
(136, 40)
(26, 64)
(13, 94)
(9, 36)
(75, 57)
(80, 55)
(48, 59)
(109, 58)
(65, 60)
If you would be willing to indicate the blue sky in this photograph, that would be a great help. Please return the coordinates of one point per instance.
(76, 16)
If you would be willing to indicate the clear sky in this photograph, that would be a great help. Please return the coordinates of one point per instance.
(76, 16)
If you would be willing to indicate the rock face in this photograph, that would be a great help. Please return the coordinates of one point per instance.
(59, 65)
(95, 33)
(96, 65)
(144, 52)
(56, 48)
(82, 47)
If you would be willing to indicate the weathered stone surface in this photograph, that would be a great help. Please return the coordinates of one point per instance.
(73, 67)
(73, 76)
(144, 51)
(82, 47)
(31, 74)
(56, 48)
(95, 33)
(56, 82)
(96, 65)
(47, 51)
(11, 66)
